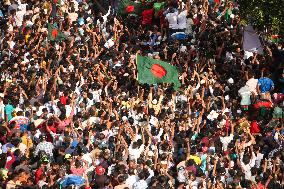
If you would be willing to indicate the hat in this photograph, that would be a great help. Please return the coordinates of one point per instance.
(44, 159)
(67, 156)
(100, 170)
(226, 110)
(126, 74)
(183, 49)
(213, 115)
(154, 101)
(124, 118)
(231, 81)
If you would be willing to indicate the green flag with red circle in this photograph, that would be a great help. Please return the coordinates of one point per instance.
(54, 34)
(153, 71)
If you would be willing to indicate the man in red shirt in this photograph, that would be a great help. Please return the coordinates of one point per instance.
(147, 17)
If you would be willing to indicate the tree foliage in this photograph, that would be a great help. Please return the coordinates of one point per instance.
(265, 15)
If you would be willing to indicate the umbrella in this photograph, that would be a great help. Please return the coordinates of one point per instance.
(179, 35)
(72, 180)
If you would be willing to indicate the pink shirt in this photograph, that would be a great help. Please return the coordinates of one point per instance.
(78, 171)
(66, 122)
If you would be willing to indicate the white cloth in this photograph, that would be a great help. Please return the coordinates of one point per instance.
(226, 140)
(189, 24)
(172, 20)
(245, 94)
(258, 159)
(252, 84)
(19, 17)
(73, 16)
(134, 154)
(247, 167)
(2, 110)
(181, 20)
(131, 180)
(141, 184)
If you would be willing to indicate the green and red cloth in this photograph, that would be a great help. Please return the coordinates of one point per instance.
(153, 71)
(54, 34)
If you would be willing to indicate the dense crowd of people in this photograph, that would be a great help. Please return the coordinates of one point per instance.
(74, 115)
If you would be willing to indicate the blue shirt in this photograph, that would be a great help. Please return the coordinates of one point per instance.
(265, 84)
(9, 109)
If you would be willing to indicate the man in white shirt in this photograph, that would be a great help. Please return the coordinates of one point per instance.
(247, 164)
(132, 178)
(141, 184)
(225, 140)
(182, 20)
(2, 109)
(135, 151)
(258, 156)
(172, 18)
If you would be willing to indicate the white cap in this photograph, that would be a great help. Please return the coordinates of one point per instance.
(183, 48)
(227, 97)
(126, 74)
(49, 115)
(18, 110)
(226, 110)
(38, 113)
(124, 118)
(231, 81)
(154, 101)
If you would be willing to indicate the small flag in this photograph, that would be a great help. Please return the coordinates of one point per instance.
(130, 9)
(54, 34)
(152, 71)
(275, 38)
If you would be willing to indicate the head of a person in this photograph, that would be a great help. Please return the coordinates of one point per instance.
(121, 178)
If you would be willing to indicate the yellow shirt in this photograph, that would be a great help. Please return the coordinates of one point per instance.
(196, 159)
(27, 142)
(27, 37)
(126, 104)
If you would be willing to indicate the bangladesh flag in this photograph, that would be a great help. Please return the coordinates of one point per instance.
(275, 38)
(54, 34)
(153, 71)
(129, 7)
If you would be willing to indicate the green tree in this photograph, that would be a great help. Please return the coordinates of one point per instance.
(265, 15)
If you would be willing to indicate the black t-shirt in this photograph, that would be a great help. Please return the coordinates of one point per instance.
(59, 159)
(99, 181)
